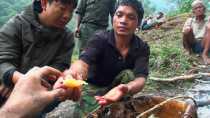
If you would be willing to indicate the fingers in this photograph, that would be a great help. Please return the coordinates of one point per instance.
(58, 83)
(123, 88)
(76, 94)
(46, 84)
(79, 76)
(71, 94)
(70, 72)
(41, 77)
(187, 30)
(47, 71)
(67, 94)
(43, 72)
(31, 72)
(101, 100)
(54, 94)
(113, 95)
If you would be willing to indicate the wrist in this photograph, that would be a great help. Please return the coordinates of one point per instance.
(10, 112)
(81, 68)
(15, 107)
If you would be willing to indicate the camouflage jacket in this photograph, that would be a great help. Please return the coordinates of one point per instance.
(95, 11)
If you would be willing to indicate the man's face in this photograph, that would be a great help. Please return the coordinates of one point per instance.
(58, 14)
(125, 20)
(198, 10)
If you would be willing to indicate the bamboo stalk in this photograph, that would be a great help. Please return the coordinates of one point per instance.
(183, 77)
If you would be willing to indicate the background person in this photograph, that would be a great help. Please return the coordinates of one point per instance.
(92, 15)
(194, 31)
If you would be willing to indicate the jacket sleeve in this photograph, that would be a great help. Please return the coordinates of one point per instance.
(10, 46)
(63, 58)
(141, 68)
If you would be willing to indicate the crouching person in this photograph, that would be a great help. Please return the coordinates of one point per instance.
(115, 62)
(196, 37)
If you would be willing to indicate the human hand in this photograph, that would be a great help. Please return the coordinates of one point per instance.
(113, 95)
(74, 73)
(206, 59)
(187, 29)
(70, 93)
(78, 70)
(30, 95)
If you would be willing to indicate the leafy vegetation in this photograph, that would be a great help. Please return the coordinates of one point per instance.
(10, 7)
(185, 6)
(168, 58)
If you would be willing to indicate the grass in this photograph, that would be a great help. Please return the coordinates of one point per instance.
(168, 59)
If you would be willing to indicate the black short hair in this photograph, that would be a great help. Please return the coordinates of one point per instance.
(74, 2)
(37, 4)
(137, 5)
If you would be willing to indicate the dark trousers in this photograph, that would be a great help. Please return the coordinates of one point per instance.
(189, 41)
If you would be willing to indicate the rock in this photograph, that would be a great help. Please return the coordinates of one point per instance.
(64, 110)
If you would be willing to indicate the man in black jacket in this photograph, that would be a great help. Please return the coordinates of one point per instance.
(35, 37)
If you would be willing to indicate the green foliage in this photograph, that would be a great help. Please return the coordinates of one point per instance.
(168, 59)
(10, 7)
(185, 6)
(147, 8)
(72, 24)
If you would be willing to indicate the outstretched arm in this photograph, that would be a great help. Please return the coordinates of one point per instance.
(121, 90)
(10, 51)
(140, 71)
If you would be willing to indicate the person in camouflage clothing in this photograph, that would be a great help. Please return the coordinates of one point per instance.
(35, 37)
(92, 15)
(115, 62)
